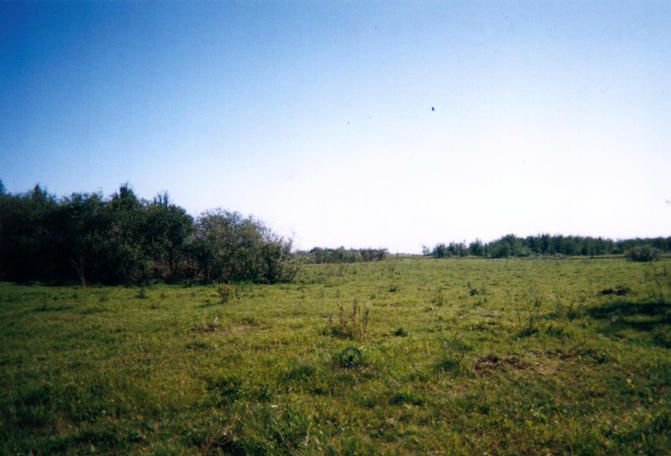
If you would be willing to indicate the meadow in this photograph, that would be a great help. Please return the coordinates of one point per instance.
(410, 355)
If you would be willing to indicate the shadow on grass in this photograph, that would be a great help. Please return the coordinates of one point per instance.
(642, 316)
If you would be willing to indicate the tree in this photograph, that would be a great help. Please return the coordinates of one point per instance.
(228, 246)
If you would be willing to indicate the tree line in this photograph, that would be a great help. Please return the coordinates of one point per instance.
(127, 240)
(341, 255)
(545, 244)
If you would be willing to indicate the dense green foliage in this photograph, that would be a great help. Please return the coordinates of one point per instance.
(643, 253)
(125, 240)
(513, 246)
(320, 255)
(405, 356)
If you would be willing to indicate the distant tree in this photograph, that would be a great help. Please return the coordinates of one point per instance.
(228, 246)
(642, 253)
(441, 251)
(166, 229)
(342, 255)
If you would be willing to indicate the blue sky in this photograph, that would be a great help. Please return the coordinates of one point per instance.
(317, 117)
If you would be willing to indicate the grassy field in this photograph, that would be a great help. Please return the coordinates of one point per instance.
(468, 356)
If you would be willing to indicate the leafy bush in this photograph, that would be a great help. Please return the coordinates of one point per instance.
(127, 240)
(642, 253)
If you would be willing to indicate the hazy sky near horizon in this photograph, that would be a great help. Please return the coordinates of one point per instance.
(363, 124)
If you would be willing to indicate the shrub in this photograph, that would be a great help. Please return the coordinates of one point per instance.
(642, 253)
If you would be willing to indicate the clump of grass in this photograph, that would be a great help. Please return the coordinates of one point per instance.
(657, 279)
(142, 294)
(457, 345)
(225, 291)
(400, 332)
(300, 373)
(407, 397)
(557, 331)
(662, 337)
(439, 300)
(452, 365)
(226, 390)
(617, 291)
(529, 329)
(349, 326)
(207, 327)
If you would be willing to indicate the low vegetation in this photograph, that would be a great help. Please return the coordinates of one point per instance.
(401, 356)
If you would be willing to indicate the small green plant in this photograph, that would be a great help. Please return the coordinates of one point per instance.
(349, 357)
(349, 326)
(400, 332)
(225, 291)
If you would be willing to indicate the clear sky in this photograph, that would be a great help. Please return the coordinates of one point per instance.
(363, 124)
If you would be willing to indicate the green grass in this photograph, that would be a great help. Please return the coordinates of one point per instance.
(466, 356)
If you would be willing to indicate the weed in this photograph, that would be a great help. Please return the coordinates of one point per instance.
(400, 332)
(224, 291)
(354, 325)
(658, 280)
